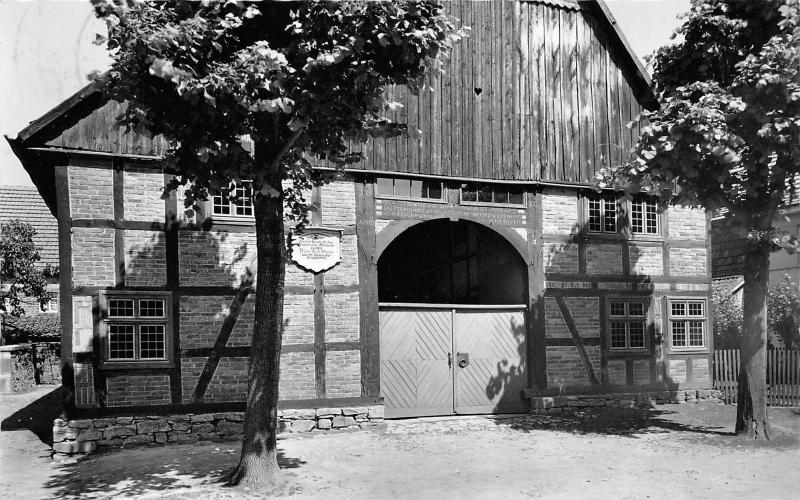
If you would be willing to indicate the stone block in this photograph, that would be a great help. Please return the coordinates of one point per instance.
(230, 428)
(140, 439)
(303, 414)
(324, 423)
(716, 394)
(303, 425)
(80, 424)
(181, 426)
(233, 416)
(152, 426)
(178, 418)
(203, 428)
(205, 417)
(691, 394)
(118, 431)
(703, 393)
(90, 434)
(161, 437)
(64, 433)
(180, 438)
(104, 422)
(72, 447)
(341, 421)
(353, 411)
(328, 412)
(375, 412)
(60, 422)
(124, 420)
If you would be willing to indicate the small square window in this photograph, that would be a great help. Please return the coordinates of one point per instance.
(151, 342)
(627, 328)
(135, 329)
(635, 309)
(618, 308)
(238, 203)
(602, 216)
(687, 324)
(121, 340)
(151, 308)
(679, 308)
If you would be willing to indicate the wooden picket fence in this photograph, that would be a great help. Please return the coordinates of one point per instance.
(783, 376)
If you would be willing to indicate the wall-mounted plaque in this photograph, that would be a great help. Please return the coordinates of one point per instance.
(316, 249)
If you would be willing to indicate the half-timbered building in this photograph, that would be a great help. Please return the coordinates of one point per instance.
(477, 271)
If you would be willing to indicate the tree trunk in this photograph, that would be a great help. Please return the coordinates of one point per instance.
(258, 466)
(751, 414)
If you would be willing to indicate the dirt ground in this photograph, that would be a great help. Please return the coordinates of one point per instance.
(670, 451)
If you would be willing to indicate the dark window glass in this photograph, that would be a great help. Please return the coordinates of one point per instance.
(120, 342)
(485, 194)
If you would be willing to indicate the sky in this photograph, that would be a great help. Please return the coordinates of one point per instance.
(46, 53)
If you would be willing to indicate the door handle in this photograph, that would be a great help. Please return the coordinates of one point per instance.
(463, 359)
(449, 359)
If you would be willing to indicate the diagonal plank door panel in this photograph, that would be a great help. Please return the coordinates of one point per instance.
(496, 374)
(416, 378)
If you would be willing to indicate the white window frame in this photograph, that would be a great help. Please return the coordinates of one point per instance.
(643, 205)
(393, 196)
(493, 187)
(685, 319)
(217, 200)
(604, 200)
(627, 318)
(51, 306)
(137, 321)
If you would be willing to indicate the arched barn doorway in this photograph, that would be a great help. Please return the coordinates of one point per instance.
(452, 321)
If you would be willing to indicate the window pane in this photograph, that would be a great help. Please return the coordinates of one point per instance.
(515, 197)
(595, 215)
(679, 308)
(402, 188)
(385, 186)
(151, 308)
(695, 308)
(617, 335)
(652, 226)
(485, 194)
(432, 190)
(637, 218)
(696, 333)
(151, 342)
(636, 309)
(679, 334)
(618, 308)
(416, 189)
(500, 196)
(636, 333)
(609, 215)
(120, 342)
(120, 308)
(469, 192)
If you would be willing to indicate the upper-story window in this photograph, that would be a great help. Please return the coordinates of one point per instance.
(495, 194)
(410, 189)
(602, 217)
(644, 216)
(238, 204)
(136, 328)
(51, 306)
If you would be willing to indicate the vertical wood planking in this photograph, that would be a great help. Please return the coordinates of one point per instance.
(600, 90)
(586, 95)
(570, 105)
(511, 75)
(614, 131)
(498, 89)
(478, 84)
(526, 69)
(554, 95)
(489, 91)
(539, 92)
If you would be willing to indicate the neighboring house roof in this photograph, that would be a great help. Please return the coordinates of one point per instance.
(25, 203)
(728, 285)
(32, 327)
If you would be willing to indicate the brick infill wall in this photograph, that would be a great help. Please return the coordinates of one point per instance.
(559, 404)
(84, 436)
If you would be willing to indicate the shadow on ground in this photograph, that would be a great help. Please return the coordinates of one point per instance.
(156, 469)
(709, 421)
(37, 416)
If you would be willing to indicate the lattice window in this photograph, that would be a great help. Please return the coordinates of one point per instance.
(644, 216)
(627, 324)
(136, 328)
(413, 189)
(602, 217)
(493, 194)
(237, 204)
(688, 324)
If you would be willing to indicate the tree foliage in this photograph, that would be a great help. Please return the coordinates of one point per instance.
(20, 275)
(783, 304)
(258, 93)
(727, 137)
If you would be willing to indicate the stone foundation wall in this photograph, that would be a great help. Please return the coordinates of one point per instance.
(559, 404)
(81, 437)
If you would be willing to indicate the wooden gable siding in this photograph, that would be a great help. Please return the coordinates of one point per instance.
(538, 91)
(99, 131)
